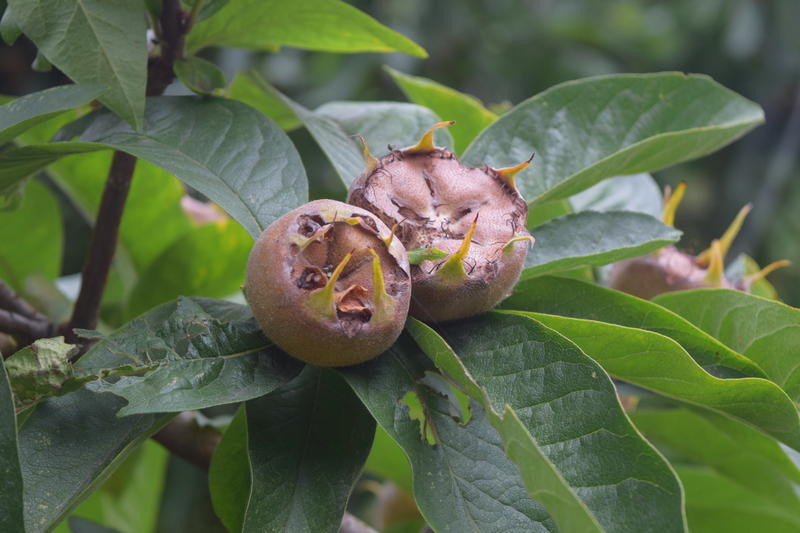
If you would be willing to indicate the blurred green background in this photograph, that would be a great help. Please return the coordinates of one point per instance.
(504, 51)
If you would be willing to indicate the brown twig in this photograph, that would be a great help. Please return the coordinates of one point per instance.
(185, 438)
(25, 330)
(11, 301)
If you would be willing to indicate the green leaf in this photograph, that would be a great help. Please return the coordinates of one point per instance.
(561, 422)
(590, 238)
(32, 109)
(229, 475)
(340, 149)
(9, 31)
(11, 508)
(130, 498)
(587, 130)
(199, 75)
(468, 112)
(42, 369)
(577, 299)
(766, 331)
(715, 504)
(325, 25)
(207, 261)
(93, 41)
(307, 443)
(465, 482)
(252, 89)
(195, 360)
(639, 193)
(237, 158)
(660, 364)
(69, 445)
(38, 218)
(732, 449)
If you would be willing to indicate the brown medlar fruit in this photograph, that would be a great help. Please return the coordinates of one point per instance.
(670, 269)
(328, 284)
(466, 225)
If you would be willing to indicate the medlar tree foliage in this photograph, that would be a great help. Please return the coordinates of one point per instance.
(571, 407)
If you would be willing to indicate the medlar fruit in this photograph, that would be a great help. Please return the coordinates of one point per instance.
(328, 284)
(469, 224)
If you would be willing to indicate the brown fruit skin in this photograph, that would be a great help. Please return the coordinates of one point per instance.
(434, 199)
(648, 276)
(281, 306)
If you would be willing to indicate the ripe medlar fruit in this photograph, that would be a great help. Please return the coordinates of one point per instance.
(470, 222)
(670, 269)
(328, 284)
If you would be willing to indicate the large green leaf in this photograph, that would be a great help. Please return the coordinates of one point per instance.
(69, 445)
(587, 130)
(660, 364)
(577, 299)
(38, 218)
(229, 479)
(233, 155)
(468, 112)
(11, 508)
(715, 504)
(207, 261)
(326, 25)
(32, 109)
(766, 331)
(307, 443)
(590, 238)
(557, 408)
(732, 449)
(199, 360)
(464, 483)
(93, 41)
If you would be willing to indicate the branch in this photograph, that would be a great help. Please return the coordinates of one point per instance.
(25, 330)
(102, 245)
(186, 439)
(11, 301)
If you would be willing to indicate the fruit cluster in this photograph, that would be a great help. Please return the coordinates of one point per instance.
(331, 283)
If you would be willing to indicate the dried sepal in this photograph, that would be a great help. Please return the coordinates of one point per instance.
(323, 301)
(508, 174)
